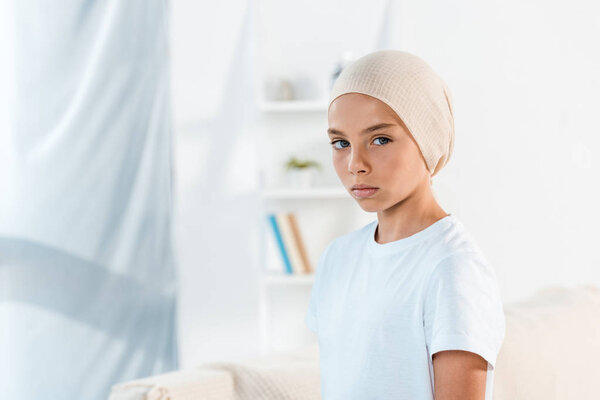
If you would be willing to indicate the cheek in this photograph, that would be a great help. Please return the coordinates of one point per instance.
(391, 161)
(402, 170)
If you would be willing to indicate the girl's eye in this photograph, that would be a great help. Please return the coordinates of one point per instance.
(339, 148)
(337, 141)
(384, 138)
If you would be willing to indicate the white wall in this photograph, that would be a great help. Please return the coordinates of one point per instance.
(522, 177)
(524, 78)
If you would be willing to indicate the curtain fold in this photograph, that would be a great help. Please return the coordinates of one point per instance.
(87, 266)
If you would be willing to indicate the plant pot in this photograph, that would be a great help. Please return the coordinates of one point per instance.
(300, 178)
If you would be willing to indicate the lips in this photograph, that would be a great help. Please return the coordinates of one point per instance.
(362, 191)
(361, 186)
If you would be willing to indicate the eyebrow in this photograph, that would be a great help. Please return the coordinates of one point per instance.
(332, 131)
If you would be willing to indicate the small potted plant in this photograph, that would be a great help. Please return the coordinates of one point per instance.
(301, 173)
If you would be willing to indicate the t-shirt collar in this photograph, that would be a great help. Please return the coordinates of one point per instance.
(398, 245)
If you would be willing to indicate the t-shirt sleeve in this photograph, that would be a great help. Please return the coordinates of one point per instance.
(462, 307)
(311, 314)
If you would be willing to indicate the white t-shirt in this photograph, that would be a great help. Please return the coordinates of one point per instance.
(381, 310)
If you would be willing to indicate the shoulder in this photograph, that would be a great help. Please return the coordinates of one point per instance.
(456, 239)
(356, 236)
(353, 240)
(344, 247)
(461, 270)
(465, 270)
(460, 263)
(462, 304)
(454, 247)
(463, 286)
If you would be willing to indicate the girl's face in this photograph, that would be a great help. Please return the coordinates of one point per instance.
(372, 146)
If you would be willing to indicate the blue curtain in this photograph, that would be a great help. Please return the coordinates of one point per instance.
(87, 267)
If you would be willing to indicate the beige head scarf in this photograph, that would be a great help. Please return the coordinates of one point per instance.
(414, 91)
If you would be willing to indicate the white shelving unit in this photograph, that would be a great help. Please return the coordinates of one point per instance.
(303, 117)
(270, 280)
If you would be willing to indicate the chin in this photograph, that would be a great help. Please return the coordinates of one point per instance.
(368, 205)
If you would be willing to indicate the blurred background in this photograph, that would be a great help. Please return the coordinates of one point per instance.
(166, 184)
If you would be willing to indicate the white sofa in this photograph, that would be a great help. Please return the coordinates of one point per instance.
(550, 352)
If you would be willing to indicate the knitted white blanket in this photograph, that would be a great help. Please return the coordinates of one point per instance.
(277, 377)
(192, 384)
(280, 376)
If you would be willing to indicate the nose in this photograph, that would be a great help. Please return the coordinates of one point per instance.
(357, 162)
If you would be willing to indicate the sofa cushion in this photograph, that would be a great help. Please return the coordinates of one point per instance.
(551, 344)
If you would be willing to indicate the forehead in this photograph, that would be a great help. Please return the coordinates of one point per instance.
(357, 109)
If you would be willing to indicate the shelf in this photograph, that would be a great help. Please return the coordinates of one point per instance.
(304, 194)
(293, 105)
(292, 279)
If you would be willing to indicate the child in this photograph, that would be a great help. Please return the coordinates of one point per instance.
(406, 307)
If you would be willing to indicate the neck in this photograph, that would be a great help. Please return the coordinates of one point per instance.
(409, 216)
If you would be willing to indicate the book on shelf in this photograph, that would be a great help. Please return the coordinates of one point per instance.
(285, 243)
